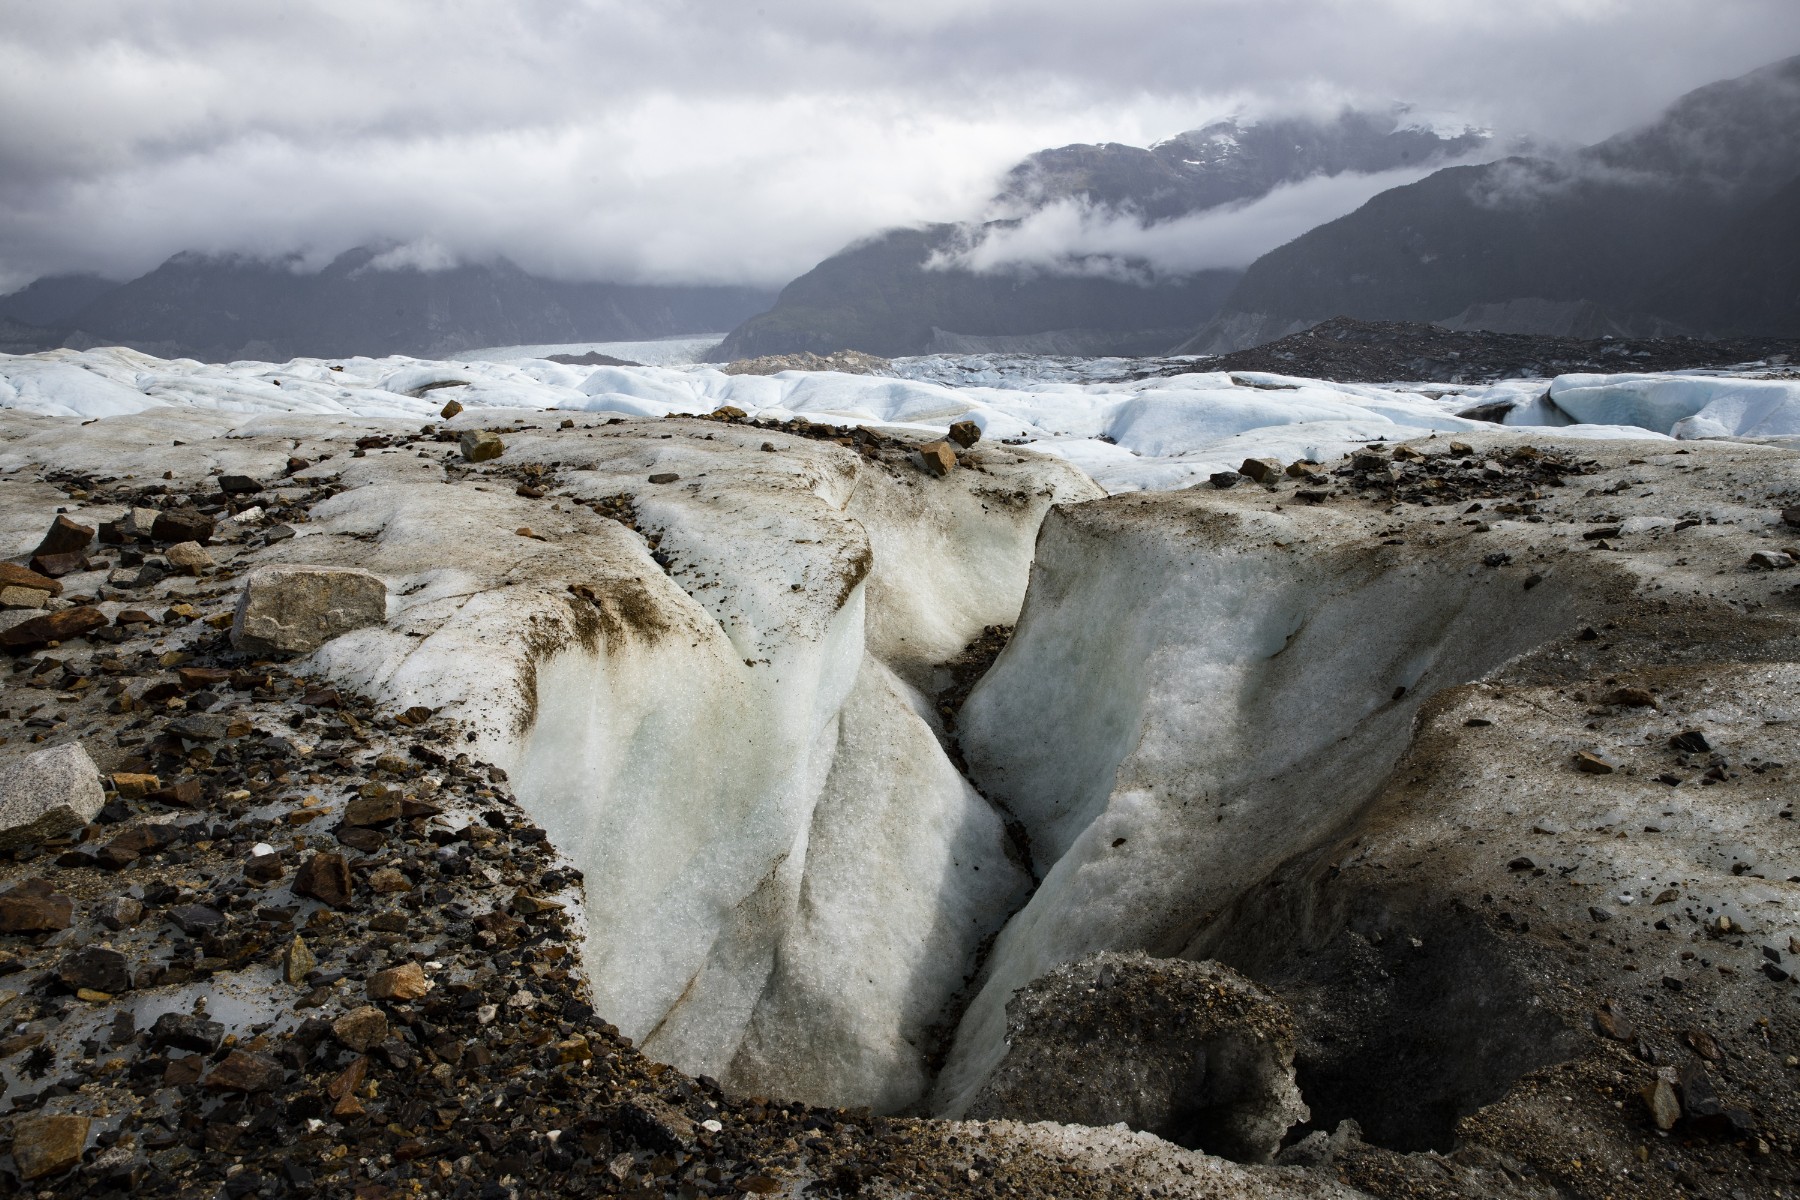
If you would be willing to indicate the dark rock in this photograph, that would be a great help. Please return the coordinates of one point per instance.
(184, 1032)
(361, 1028)
(1224, 479)
(373, 810)
(197, 919)
(965, 433)
(64, 537)
(326, 878)
(238, 485)
(182, 525)
(243, 1071)
(1691, 742)
(53, 627)
(655, 1124)
(95, 968)
(57, 565)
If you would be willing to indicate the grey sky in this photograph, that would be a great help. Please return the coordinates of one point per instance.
(690, 140)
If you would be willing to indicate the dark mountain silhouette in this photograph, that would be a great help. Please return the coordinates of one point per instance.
(223, 307)
(49, 301)
(878, 296)
(1621, 237)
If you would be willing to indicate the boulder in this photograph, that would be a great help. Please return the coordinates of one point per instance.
(53, 627)
(190, 558)
(1190, 1051)
(48, 793)
(965, 433)
(297, 609)
(181, 525)
(478, 445)
(1262, 470)
(450, 409)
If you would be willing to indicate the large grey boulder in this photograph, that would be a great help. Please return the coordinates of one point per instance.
(48, 793)
(297, 609)
(1190, 1051)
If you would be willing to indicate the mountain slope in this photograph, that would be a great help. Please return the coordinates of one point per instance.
(51, 300)
(1603, 227)
(227, 307)
(1745, 282)
(879, 296)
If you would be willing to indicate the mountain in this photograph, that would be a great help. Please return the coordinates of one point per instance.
(879, 295)
(49, 301)
(1614, 238)
(1745, 282)
(224, 307)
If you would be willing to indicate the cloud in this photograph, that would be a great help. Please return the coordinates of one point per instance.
(691, 140)
(1073, 237)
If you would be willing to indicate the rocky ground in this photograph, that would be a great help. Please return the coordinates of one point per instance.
(1353, 351)
(305, 939)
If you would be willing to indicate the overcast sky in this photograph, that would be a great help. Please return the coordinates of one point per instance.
(698, 140)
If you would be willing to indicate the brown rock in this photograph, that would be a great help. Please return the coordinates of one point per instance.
(1262, 470)
(1631, 697)
(190, 558)
(326, 878)
(193, 679)
(134, 786)
(12, 575)
(729, 412)
(58, 565)
(389, 880)
(18, 597)
(965, 433)
(1593, 764)
(34, 907)
(361, 1028)
(405, 982)
(95, 968)
(938, 457)
(264, 868)
(182, 525)
(53, 627)
(243, 1071)
(64, 537)
(1702, 1043)
(1791, 516)
(1665, 1108)
(48, 1145)
(1613, 1023)
(665, 477)
(373, 810)
(450, 409)
(297, 961)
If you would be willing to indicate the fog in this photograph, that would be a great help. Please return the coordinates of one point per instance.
(690, 142)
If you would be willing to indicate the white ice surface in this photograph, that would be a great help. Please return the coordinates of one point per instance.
(1147, 434)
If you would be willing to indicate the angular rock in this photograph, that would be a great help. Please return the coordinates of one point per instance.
(139, 522)
(965, 433)
(53, 627)
(190, 558)
(1660, 1099)
(1593, 763)
(182, 1031)
(450, 409)
(35, 907)
(1262, 470)
(57, 565)
(243, 1071)
(297, 961)
(195, 920)
(655, 1123)
(361, 1028)
(405, 982)
(182, 525)
(372, 810)
(120, 912)
(326, 878)
(665, 477)
(64, 537)
(1181, 1038)
(20, 597)
(47, 793)
(13, 575)
(478, 445)
(48, 1145)
(297, 609)
(1224, 479)
(939, 459)
(96, 968)
(1771, 560)
(239, 485)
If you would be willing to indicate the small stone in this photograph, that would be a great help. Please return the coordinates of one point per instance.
(938, 458)
(48, 1145)
(53, 627)
(1262, 470)
(64, 537)
(190, 558)
(1660, 1099)
(297, 609)
(1594, 763)
(1771, 560)
(243, 1071)
(405, 982)
(182, 525)
(132, 785)
(264, 868)
(1691, 742)
(665, 477)
(965, 433)
(1702, 1043)
(1224, 479)
(575, 1049)
(35, 907)
(12, 575)
(96, 968)
(197, 920)
(182, 1031)
(1612, 1022)
(450, 409)
(388, 881)
(326, 878)
(47, 793)
(1461, 449)
(729, 412)
(21, 597)
(478, 445)
(1599, 915)
(1631, 697)
(361, 1028)
(239, 485)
